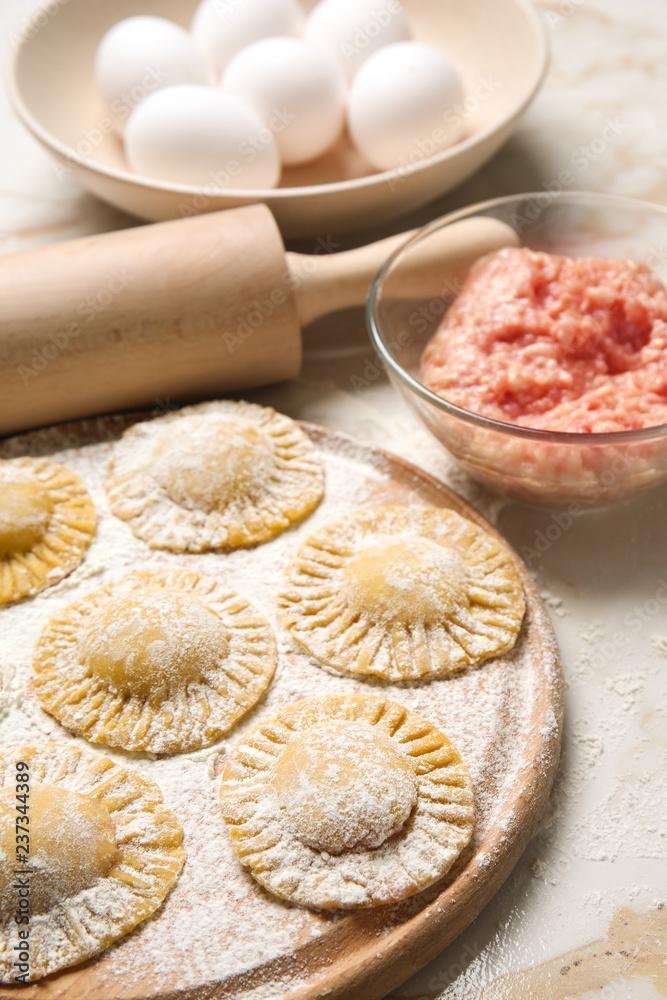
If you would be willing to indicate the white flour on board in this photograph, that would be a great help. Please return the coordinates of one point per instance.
(218, 923)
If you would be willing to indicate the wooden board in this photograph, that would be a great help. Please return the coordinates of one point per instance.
(505, 717)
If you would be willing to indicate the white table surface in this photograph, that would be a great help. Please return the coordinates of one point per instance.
(581, 915)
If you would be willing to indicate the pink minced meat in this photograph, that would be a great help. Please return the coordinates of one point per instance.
(555, 343)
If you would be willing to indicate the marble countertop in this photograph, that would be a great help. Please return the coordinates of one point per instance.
(582, 914)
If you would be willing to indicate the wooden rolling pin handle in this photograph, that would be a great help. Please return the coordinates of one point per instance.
(434, 266)
(325, 282)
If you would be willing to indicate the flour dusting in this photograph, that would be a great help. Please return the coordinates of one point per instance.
(218, 923)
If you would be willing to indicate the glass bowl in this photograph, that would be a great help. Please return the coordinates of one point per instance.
(413, 291)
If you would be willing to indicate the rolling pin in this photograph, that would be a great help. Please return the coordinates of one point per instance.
(188, 309)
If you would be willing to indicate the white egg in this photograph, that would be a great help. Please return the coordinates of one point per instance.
(141, 55)
(352, 30)
(296, 89)
(224, 27)
(200, 136)
(401, 106)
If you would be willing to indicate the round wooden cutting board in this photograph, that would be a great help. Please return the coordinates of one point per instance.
(219, 935)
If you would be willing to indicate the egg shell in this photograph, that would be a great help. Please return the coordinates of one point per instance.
(142, 54)
(224, 27)
(400, 105)
(296, 89)
(199, 136)
(352, 30)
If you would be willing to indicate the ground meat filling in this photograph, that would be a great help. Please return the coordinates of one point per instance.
(555, 343)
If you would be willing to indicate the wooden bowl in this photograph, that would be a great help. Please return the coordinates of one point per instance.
(498, 46)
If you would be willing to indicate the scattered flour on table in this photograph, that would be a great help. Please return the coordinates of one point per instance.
(612, 775)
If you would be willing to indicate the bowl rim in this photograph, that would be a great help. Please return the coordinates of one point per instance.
(541, 436)
(70, 155)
